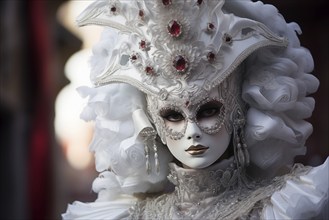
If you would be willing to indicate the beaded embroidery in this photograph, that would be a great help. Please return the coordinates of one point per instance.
(205, 195)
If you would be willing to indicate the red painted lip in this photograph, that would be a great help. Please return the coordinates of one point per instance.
(197, 150)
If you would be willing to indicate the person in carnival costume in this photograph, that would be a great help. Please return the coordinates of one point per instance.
(199, 110)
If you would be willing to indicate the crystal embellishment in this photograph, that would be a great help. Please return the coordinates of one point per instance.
(144, 45)
(180, 63)
(174, 28)
(210, 27)
(227, 39)
(113, 9)
(211, 56)
(149, 70)
(141, 13)
(133, 58)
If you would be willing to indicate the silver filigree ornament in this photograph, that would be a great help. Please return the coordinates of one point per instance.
(180, 39)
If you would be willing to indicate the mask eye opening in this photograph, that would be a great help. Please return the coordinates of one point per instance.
(210, 116)
(171, 115)
(209, 109)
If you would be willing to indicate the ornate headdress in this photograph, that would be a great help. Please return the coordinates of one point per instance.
(175, 49)
(178, 50)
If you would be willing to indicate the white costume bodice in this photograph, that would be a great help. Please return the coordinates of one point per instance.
(214, 193)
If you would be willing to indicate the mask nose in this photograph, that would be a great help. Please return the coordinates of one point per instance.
(193, 131)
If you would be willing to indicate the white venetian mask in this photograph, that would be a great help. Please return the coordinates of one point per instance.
(195, 133)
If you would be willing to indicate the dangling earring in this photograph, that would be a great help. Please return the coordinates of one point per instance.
(240, 147)
(147, 156)
(156, 157)
(149, 136)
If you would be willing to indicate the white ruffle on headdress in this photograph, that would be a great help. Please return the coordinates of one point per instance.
(276, 87)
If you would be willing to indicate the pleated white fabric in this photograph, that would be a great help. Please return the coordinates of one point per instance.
(116, 209)
(304, 197)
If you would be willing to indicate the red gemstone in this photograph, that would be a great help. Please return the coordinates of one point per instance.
(141, 13)
(210, 26)
(149, 70)
(227, 38)
(174, 28)
(166, 2)
(211, 56)
(113, 9)
(142, 44)
(133, 57)
(180, 63)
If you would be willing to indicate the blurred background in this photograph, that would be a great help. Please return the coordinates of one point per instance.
(45, 162)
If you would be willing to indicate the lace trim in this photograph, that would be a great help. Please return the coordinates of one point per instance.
(238, 203)
(208, 182)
